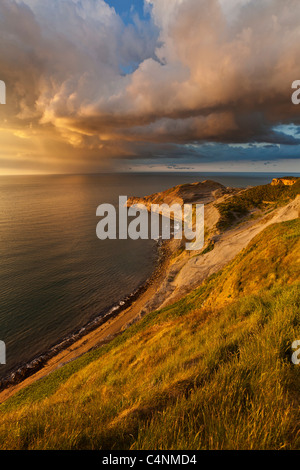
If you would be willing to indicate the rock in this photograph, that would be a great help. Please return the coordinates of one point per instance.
(286, 181)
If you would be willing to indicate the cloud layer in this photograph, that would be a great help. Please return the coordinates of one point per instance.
(81, 81)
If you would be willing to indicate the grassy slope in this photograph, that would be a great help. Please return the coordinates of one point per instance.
(212, 371)
(257, 197)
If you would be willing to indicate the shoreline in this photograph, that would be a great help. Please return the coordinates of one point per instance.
(168, 282)
(97, 332)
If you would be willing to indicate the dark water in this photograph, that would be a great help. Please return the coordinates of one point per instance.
(55, 275)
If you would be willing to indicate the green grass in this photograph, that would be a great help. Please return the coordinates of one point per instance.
(212, 371)
(208, 249)
(257, 197)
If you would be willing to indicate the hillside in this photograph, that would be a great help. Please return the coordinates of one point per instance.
(211, 371)
(233, 217)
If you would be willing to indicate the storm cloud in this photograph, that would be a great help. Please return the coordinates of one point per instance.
(82, 81)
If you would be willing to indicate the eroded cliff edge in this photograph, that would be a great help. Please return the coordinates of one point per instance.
(233, 217)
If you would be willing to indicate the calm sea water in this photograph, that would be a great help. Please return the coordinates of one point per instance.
(55, 275)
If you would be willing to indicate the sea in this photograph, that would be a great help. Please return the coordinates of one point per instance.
(56, 276)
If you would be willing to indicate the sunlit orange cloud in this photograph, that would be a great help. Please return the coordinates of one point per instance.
(205, 71)
(27, 152)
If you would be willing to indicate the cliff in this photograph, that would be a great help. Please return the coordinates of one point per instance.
(211, 357)
(233, 217)
(199, 192)
(287, 181)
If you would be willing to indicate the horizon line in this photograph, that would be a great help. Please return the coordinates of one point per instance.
(148, 172)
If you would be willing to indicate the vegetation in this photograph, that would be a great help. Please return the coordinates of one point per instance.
(212, 371)
(209, 248)
(257, 197)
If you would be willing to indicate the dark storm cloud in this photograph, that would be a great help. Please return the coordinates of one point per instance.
(219, 71)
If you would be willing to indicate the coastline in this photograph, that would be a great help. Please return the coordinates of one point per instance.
(171, 279)
(98, 332)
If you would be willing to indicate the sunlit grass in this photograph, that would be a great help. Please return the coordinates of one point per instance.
(209, 372)
(258, 197)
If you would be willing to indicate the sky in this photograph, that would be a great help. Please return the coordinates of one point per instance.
(154, 85)
(128, 8)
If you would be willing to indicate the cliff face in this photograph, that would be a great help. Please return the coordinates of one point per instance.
(286, 181)
(202, 193)
(206, 192)
(186, 272)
